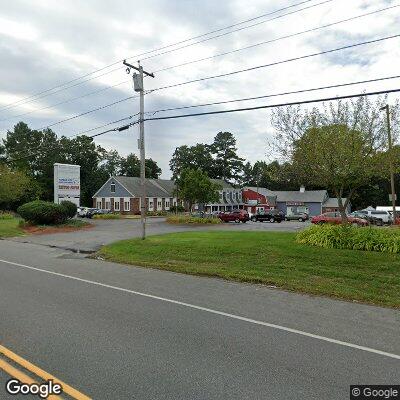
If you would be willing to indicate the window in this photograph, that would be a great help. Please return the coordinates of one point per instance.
(107, 205)
(127, 205)
(112, 188)
(116, 205)
(98, 204)
(166, 204)
(159, 204)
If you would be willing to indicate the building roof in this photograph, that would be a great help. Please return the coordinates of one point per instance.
(222, 183)
(154, 187)
(333, 202)
(308, 196)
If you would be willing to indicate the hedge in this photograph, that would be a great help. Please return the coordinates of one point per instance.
(186, 219)
(69, 208)
(351, 237)
(44, 212)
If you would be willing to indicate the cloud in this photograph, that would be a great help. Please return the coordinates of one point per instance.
(45, 43)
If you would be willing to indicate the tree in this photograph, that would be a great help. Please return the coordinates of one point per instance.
(194, 157)
(13, 185)
(228, 165)
(341, 147)
(130, 166)
(196, 187)
(153, 171)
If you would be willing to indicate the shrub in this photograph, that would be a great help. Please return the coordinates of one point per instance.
(69, 208)
(351, 237)
(177, 208)
(6, 215)
(186, 219)
(157, 213)
(107, 216)
(43, 212)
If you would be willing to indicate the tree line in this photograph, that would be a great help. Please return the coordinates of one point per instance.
(27, 157)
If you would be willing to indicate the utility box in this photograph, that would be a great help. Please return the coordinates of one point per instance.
(67, 183)
(138, 82)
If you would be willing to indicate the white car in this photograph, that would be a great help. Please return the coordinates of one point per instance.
(385, 216)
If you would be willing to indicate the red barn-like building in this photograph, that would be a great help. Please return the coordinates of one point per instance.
(258, 199)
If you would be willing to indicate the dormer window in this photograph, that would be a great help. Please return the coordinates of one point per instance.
(112, 188)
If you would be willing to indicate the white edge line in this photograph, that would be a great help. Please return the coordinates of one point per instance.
(237, 317)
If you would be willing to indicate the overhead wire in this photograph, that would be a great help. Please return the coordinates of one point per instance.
(34, 95)
(275, 40)
(319, 100)
(153, 112)
(275, 63)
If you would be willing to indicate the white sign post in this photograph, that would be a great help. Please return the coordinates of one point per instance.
(67, 183)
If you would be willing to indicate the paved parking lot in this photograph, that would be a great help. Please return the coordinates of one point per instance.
(108, 231)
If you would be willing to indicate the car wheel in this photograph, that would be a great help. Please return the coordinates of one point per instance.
(237, 220)
(244, 221)
(301, 220)
(254, 219)
(272, 219)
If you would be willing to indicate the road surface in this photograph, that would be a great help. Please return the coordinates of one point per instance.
(119, 332)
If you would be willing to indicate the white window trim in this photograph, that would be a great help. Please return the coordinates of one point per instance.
(127, 202)
(119, 205)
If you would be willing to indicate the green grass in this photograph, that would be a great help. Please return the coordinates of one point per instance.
(10, 227)
(272, 258)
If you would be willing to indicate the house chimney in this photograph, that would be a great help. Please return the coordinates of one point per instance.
(302, 189)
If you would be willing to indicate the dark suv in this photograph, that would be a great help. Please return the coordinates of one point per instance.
(269, 215)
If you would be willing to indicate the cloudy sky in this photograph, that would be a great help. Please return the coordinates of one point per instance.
(44, 44)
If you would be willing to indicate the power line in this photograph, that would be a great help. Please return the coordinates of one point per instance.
(21, 102)
(275, 95)
(118, 129)
(65, 101)
(144, 53)
(236, 30)
(276, 39)
(321, 100)
(87, 112)
(275, 63)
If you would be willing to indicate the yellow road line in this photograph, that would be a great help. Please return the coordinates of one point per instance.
(16, 373)
(43, 374)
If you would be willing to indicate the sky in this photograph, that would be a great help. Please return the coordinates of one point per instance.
(44, 44)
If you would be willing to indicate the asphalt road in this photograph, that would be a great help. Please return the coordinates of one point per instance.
(108, 231)
(120, 332)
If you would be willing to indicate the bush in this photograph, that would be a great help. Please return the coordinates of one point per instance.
(69, 208)
(351, 237)
(186, 219)
(6, 215)
(43, 213)
(106, 216)
(177, 208)
(156, 213)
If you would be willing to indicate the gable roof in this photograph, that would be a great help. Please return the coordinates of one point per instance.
(333, 202)
(154, 187)
(308, 196)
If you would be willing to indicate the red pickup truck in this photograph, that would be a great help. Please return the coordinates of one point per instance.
(235, 215)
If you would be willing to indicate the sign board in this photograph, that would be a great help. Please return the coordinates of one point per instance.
(67, 183)
(252, 202)
(295, 203)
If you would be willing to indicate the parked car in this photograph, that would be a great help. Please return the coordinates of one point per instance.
(336, 218)
(298, 216)
(269, 215)
(385, 216)
(371, 219)
(235, 215)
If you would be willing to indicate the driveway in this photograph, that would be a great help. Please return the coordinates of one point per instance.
(108, 231)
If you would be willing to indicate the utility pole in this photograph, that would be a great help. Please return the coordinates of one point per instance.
(390, 145)
(139, 87)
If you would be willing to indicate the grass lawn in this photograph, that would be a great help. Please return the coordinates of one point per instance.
(271, 258)
(10, 227)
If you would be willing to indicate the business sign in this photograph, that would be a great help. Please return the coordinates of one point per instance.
(252, 202)
(67, 183)
(295, 203)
